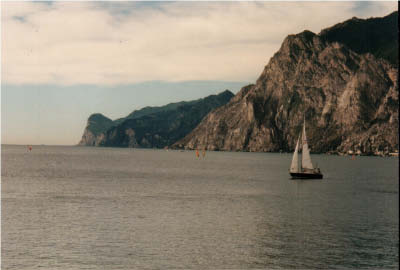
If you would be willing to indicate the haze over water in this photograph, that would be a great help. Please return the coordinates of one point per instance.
(109, 208)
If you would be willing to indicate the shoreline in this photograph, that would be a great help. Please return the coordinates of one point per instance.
(334, 153)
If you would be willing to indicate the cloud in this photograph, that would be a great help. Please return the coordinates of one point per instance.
(107, 43)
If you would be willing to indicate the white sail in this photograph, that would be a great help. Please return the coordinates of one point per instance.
(305, 156)
(294, 167)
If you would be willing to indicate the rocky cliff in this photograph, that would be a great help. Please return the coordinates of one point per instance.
(151, 126)
(349, 99)
(378, 36)
(96, 125)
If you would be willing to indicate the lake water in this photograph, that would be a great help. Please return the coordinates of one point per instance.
(109, 208)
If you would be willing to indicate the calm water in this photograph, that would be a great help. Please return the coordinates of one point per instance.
(104, 208)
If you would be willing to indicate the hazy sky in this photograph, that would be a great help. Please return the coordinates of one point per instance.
(62, 61)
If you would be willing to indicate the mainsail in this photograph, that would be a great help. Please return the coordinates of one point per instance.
(305, 156)
(295, 161)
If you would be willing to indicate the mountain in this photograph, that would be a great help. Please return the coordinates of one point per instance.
(378, 36)
(151, 126)
(349, 100)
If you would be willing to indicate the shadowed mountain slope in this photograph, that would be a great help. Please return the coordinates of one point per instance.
(151, 126)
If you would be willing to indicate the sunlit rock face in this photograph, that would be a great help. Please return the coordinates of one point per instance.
(349, 101)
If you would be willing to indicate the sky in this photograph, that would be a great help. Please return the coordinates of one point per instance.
(62, 61)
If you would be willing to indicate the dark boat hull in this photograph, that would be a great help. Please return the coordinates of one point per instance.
(306, 175)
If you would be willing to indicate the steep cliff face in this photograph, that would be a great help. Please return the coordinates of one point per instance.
(96, 125)
(151, 126)
(350, 102)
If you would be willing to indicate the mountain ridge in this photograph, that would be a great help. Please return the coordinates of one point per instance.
(176, 118)
(376, 35)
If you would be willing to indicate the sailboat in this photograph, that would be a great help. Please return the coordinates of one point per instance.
(304, 170)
